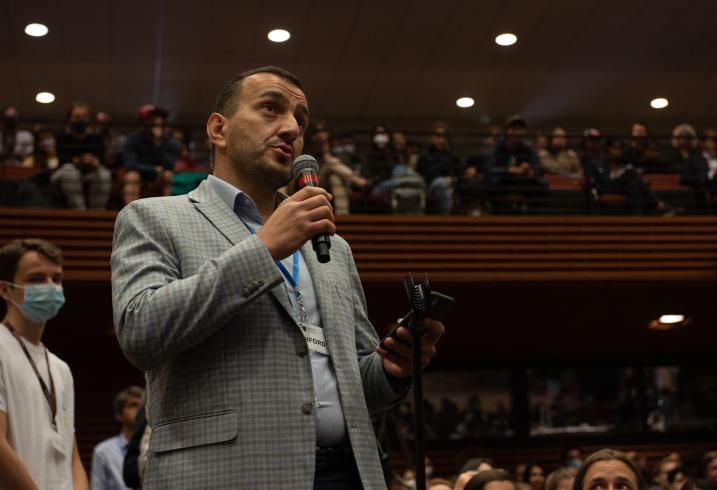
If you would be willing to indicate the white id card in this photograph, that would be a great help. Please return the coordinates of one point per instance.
(315, 338)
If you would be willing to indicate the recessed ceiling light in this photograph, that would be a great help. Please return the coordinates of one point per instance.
(668, 322)
(36, 30)
(279, 35)
(465, 102)
(672, 318)
(506, 39)
(659, 103)
(45, 98)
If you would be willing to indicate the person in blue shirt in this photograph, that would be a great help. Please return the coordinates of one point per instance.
(108, 456)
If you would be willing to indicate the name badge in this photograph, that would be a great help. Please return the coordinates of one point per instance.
(315, 338)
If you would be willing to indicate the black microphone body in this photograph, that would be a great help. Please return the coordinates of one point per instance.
(306, 172)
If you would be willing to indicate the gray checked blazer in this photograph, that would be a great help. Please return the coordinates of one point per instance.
(198, 304)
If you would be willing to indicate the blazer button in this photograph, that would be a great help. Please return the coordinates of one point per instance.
(246, 292)
(307, 408)
(302, 349)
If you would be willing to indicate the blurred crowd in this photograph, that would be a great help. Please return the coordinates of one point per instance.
(89, 163)
(605, 469)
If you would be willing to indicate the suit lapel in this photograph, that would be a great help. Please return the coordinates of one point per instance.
(227, 223)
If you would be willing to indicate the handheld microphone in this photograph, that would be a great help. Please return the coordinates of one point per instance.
(306, 172)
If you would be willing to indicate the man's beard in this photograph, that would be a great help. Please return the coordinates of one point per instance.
(256, 169)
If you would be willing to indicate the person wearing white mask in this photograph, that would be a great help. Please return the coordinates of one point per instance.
(38, 448)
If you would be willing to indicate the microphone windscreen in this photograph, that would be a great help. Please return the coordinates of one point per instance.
(304, 163)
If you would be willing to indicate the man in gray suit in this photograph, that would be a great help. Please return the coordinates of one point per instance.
(261, 363)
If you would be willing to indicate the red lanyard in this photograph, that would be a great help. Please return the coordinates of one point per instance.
(49, 394)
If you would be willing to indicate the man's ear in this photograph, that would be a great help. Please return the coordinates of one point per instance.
(216, 130)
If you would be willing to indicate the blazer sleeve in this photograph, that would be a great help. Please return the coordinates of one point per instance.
(158, 313)
(380, 393)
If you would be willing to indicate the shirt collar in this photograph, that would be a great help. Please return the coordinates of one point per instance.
(237, 200)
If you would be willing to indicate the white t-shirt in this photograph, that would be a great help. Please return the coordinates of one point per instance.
(45, 451)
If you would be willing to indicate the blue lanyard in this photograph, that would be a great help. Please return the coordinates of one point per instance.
(294, 277)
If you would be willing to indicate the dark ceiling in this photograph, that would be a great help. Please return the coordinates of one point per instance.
(596, 62)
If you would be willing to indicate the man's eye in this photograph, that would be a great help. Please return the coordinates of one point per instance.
(269, 107)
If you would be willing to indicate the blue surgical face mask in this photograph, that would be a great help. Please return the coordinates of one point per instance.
(42, 301)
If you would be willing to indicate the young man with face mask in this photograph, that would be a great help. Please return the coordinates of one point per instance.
(38, 449)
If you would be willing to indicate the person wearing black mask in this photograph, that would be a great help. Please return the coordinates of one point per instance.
(83, 179)
(15, 144)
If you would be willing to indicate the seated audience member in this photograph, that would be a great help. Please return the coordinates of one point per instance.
(697, 171)
(15, 144)
(37, 191)
(709, 466)
(401, 152)
(149, 156)
(661, 472)
(535, 476)
(642, 151)
(572, 457)
(82, 172)
(482, 156)
(113, 139)
(44, 156)
(378, 164)
(491, 480)
(561, 479)
(686, 156)
(608, 468)
(440, 168)
(344, 148)
(558, 159)
(108, 456)
(334, 175)
(514, 167)
(614, 175)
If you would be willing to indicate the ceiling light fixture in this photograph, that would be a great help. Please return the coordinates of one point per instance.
(465, 102)
(659, 103)
(45, 98)
(668, 322)
(36, 30)
(279, 35)
(506, 39)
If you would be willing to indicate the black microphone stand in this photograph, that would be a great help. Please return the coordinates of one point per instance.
(419, 299)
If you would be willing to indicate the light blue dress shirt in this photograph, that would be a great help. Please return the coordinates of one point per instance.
(330, 422)
(107, 464)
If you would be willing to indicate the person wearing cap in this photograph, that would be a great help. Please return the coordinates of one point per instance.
(514, 167)
(149, 155)
(262, 366)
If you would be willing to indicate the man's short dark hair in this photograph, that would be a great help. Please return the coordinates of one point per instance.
(226, 103)
(608, 455)
(124, 395)
(11, 253)
(483, 478)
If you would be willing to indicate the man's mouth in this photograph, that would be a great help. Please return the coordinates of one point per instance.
(286, 150)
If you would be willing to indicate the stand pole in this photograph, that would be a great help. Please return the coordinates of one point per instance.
(420, 459)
